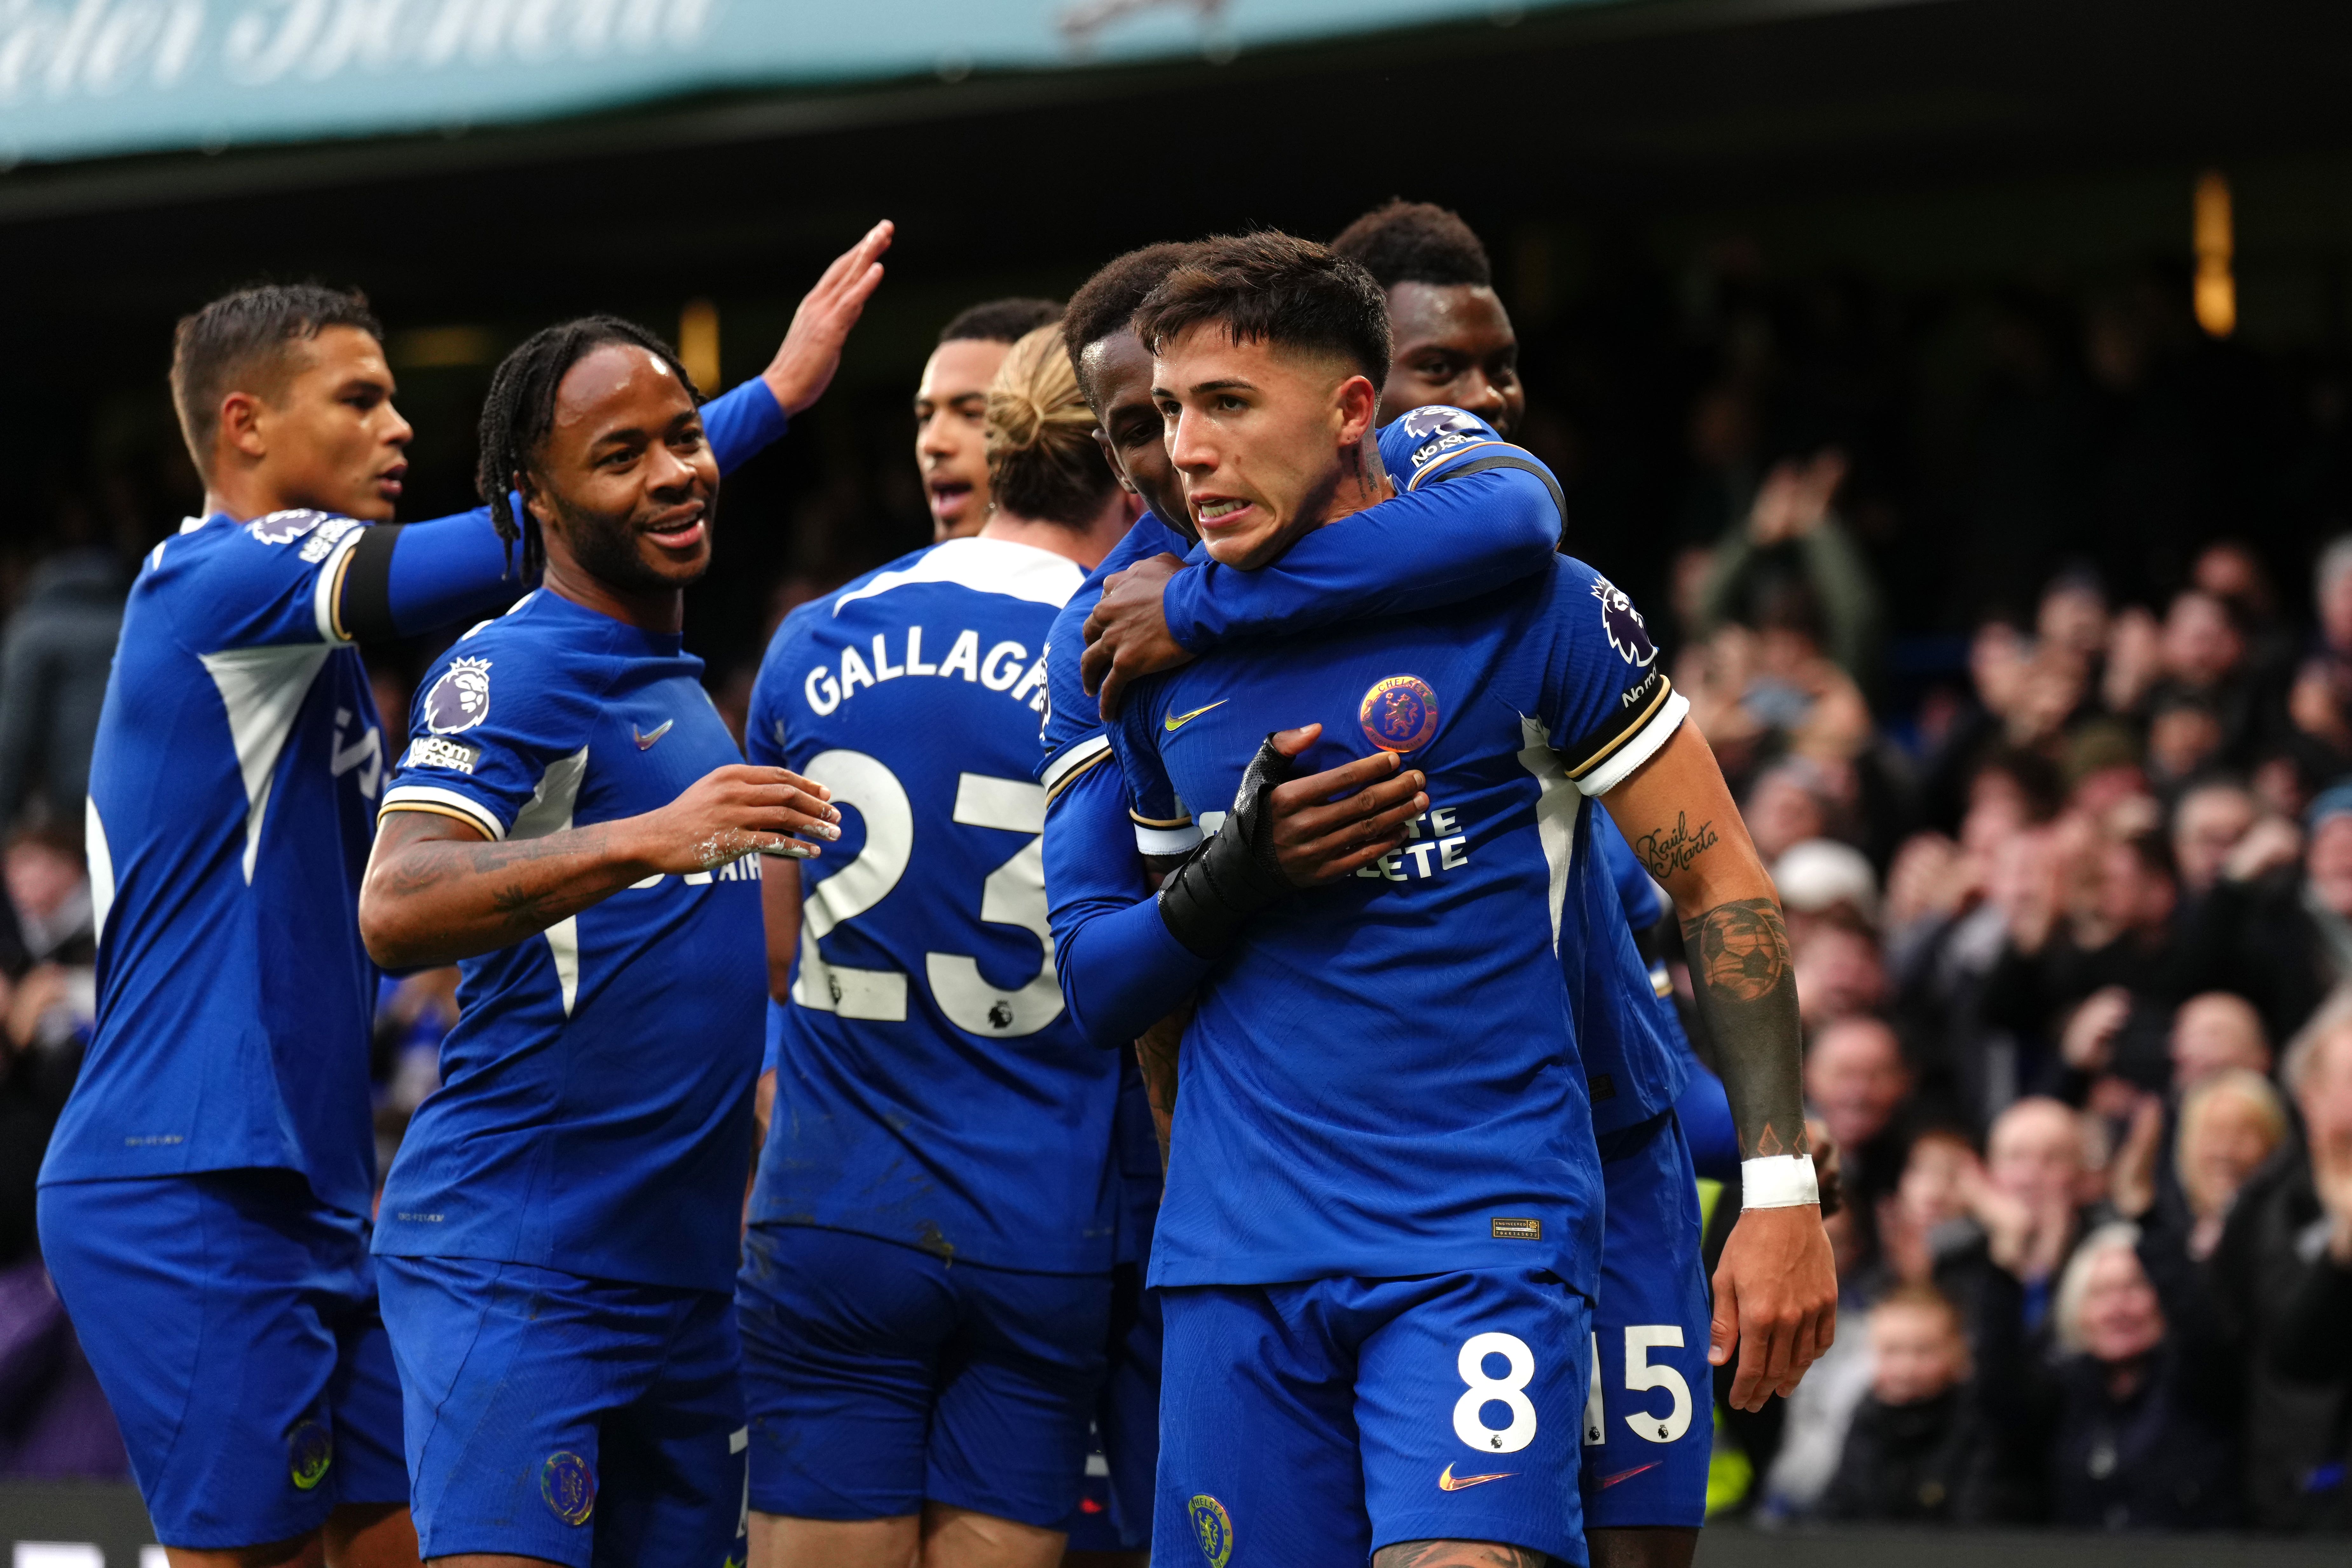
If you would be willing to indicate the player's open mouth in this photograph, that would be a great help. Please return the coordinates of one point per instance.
(1223, 511)
(681, 532)
(949, 498)
(387, 484)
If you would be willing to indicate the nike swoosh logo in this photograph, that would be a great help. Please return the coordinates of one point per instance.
(1178, 720)
(1607, 1481)
(1450, 1482)
(646, 743)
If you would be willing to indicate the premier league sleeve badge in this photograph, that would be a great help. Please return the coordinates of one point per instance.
(460, 698)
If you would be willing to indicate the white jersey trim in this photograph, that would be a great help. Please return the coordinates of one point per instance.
(331, 577)
(1556, 808)
(262, 689)
(1638, 748)
(1070, 760)
(447, 800)
(985, 566)
(1167, 840)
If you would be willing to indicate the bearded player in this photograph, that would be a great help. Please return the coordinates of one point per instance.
(1268, 354)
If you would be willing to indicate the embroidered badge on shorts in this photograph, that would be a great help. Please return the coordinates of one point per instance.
(1213, 1528)
(310, 1450)
(1398, 714)
(568, 1486)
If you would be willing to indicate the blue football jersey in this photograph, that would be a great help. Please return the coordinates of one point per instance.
(232, 790)
(595, 1108)
(930, 1089)
(1384, 1076)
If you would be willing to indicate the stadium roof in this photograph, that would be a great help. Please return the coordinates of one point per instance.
(82, 79)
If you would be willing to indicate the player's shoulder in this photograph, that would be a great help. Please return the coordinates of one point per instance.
(542, 655)
(1583, 599)
(1422, 442)
(993, 567)
(204, 548)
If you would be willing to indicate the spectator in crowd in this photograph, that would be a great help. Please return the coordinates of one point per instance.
(1855, 1082)
(2129, 1425)
(1918, 1451)
(2277, 926)
(1840, 972)
(2027, 1211)
(54, 662)
(2209, 817)
(2310, 1345)
(1794, 544)
(2216, 1032)
(1927, 1218)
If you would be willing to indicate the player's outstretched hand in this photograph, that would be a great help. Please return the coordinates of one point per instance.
(735, 811)
(1328, 823)
(1127, 634)
(811, 351)
(1775, 1302)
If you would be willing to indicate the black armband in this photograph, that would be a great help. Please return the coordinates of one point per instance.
(364, 608)
(1232, 877)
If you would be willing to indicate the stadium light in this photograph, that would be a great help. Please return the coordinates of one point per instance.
(2216, 295)
(697, 342)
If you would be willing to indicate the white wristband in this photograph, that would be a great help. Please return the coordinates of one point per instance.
(1777, 1181)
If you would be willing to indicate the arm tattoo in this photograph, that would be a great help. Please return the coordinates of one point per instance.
(1747, 992)
(1667, 850)
(1458, 1555)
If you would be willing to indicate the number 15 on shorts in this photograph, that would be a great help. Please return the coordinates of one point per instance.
(1642, 1377)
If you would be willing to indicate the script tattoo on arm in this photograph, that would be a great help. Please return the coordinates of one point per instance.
(1745, 988)
(1667, 850)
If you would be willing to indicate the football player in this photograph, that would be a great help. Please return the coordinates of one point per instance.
(205, 1201)
(1312, 1353)
(951, 409)
(572, 824)
(926, 1290)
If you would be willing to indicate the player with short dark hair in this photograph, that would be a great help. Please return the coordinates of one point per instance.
(572, 824)
(951, 408)
(1382, 1153)
(1454, 341)
(206, 1199)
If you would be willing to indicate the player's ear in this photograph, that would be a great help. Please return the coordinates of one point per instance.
(1110, 456)
(241, 415)
(1357, 404)
(534, 500)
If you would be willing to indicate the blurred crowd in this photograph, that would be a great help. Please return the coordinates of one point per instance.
(2075, 971)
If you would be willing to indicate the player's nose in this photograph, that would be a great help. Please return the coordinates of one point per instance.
(398, 431)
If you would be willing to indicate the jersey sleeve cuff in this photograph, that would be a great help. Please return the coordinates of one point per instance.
(326, 595)
(1611, 764)
(447, 801)
(1074, 759)
(1166, 838)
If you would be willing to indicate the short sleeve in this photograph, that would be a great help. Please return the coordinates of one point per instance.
(495, 742)
(1162, 825)
(273, 581)
(1612, 707)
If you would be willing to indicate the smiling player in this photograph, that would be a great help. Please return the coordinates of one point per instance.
(569, 822)
(1325, 1075)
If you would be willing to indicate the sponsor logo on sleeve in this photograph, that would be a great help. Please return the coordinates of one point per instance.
(1628, 633)
(331, 532)
(1437, 418)
(432, 752)
(1398, 714)
(460, 698)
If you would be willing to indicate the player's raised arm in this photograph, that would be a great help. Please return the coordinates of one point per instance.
(1776, 1288)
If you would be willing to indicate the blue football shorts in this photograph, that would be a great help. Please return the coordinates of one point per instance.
(879, 1377)
(1309, 1425)
(1115, 1498)
(231, 1319)
(581, 1421)
(1648, 1426)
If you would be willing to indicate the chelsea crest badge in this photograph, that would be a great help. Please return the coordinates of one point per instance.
(1213, 1528)
(1398, 714)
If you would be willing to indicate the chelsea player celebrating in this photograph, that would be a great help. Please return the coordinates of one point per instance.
(570, 821)
(927, 1286)
(1314, 1185)
(206, 1200)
